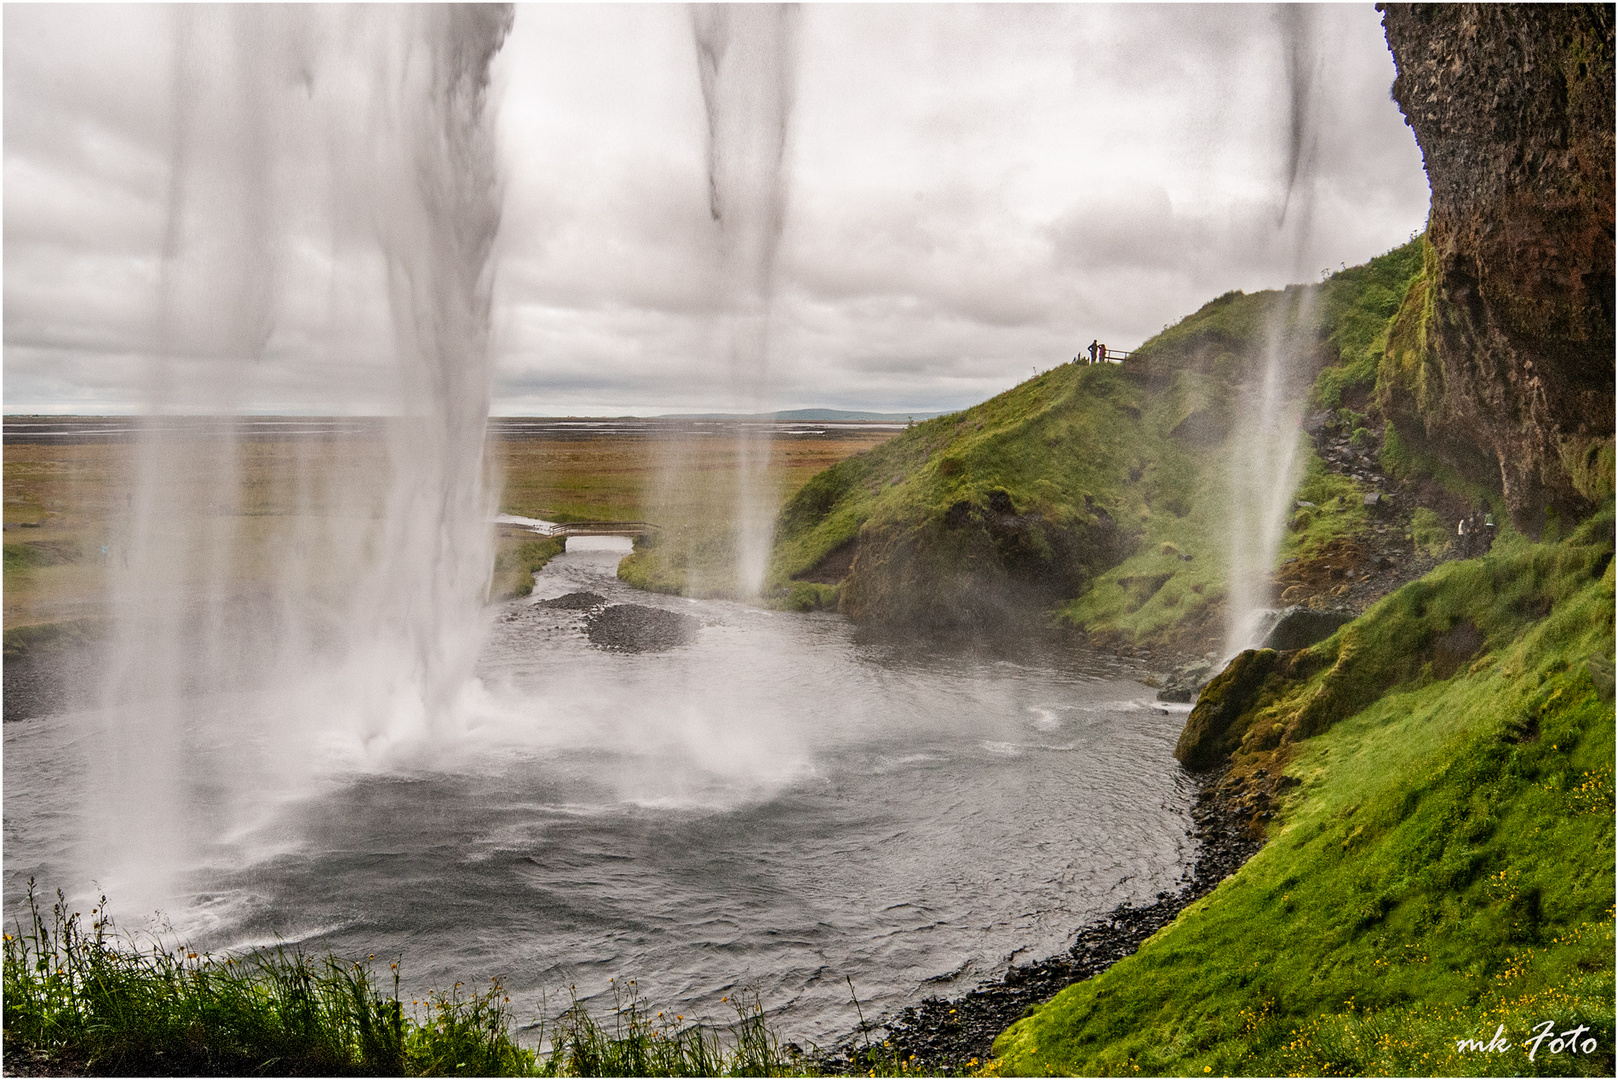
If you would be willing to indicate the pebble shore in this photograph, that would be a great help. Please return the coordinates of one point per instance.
(950, 1037)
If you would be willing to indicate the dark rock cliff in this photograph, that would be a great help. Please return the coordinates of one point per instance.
(1501, 362)
(977, 566)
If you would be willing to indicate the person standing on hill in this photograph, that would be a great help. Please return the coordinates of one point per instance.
(1101, 354)
(1093, 346)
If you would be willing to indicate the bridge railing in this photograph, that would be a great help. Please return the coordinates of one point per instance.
(603, 528)
(584, 528)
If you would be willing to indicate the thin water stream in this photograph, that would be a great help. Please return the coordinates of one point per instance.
(777, 804)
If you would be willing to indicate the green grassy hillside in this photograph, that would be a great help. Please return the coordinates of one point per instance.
(1440, 862)
(1097, 484)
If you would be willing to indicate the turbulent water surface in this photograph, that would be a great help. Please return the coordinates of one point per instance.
(776, 804)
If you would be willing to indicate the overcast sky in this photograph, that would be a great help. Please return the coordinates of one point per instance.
(970, 193)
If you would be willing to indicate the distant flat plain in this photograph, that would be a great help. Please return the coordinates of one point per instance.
(69, 482)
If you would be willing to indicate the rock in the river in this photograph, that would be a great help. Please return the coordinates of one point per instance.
(574, 601)
(1182, 686)
(636, 628)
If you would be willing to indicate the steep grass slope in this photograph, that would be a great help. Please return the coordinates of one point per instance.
(1103, 482)
(1441, 862)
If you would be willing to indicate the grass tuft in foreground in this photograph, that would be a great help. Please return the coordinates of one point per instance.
(79, 1002)
(641, 1044)
(76, 1000)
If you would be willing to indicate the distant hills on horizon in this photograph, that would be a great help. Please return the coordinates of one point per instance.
(806, 414)
(783, 414)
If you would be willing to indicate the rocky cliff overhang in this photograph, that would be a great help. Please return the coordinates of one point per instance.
(1508, 360)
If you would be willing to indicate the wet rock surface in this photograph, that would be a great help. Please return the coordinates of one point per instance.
(1298, 628)
(945, 1037)
(637, 628)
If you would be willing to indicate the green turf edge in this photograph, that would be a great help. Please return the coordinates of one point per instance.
(1444, 867)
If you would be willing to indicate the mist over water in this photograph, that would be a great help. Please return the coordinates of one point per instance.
(747, 61)
(1265, 467)
(298, 135)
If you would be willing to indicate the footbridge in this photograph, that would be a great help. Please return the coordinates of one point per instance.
(635, 530)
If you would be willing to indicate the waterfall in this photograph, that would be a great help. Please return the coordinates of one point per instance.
(332, 212)
(1265, 467)
(746, 56)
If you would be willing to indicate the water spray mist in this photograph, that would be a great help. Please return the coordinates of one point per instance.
(334, 202)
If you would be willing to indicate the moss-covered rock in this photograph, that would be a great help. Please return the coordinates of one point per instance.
(1217, 723)
(976, 564)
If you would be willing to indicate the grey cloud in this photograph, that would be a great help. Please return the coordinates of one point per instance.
(942, 259)
(945, 234)
(1138, 229)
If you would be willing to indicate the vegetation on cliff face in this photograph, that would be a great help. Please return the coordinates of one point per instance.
(1440, 862)
(1095, 490)
(1503, 366)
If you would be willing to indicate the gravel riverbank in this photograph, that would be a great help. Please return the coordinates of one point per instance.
(947, 1037)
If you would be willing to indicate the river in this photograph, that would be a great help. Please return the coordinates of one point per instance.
(779, 806)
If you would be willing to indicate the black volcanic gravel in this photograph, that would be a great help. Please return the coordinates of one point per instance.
(636, 628)
(573, 601)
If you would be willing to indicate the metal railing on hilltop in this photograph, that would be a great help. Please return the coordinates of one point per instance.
(1106, 356)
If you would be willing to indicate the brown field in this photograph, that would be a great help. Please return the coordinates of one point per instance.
(64, 500)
